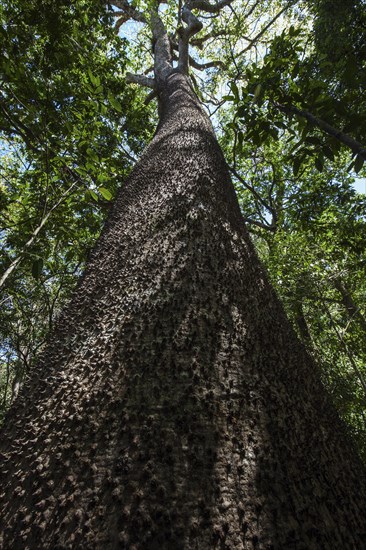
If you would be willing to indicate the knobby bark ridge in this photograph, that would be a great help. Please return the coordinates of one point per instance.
(174, 406)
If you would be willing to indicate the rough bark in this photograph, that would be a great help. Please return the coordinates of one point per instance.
(174, 407)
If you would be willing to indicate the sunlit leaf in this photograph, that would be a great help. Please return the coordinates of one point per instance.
(106, 194)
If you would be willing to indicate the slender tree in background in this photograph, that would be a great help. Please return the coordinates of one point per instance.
(174, 406)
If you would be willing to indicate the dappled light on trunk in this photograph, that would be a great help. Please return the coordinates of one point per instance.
(174, 406)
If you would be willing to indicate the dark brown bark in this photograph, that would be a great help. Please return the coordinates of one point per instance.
(174, 406)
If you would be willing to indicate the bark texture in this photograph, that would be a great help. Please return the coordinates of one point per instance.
(174, 407)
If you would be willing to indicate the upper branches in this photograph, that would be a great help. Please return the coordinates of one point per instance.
(192, 28)
(162, 43)
(184, 36)
(128, 12)
(270, 23)
(174, 46)
(162, 48)
(206, 6)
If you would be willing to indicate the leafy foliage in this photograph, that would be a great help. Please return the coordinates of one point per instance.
(309, 230)
(70, 130)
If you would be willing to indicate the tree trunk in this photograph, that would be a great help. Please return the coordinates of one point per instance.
(174, 407)
(349, 304)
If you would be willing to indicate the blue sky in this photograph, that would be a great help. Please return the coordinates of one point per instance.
(360, 185)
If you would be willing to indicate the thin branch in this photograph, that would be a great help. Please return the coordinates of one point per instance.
(251, 189)
(14, 264)
(343, 345)
(356, 147)
(347, 300)
(198, 42)
(265, 28)
(202, 66)
(259, 224)
(253, 7)
(152, 95)
(20, 129)
(129, 11)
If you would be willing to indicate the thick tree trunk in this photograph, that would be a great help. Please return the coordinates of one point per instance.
(174, 407)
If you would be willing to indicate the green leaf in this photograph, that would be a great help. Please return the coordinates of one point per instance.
(235, 90)
(313, 140)
(280, 124)
(257, 92)
(90, 194)
(258, 138)
(358, 163)
(95, 80)
(319, 164)
(114, 102)
(37, 267)
(296, 165)
(94, 195)
(328, 152)
(295, 70)
(241, 112)
(98, 90)
(92, 155)
(106, 194)
(232, 125)
(273, 132)
(103, 109)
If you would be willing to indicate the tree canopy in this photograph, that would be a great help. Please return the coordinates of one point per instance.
(283, 83)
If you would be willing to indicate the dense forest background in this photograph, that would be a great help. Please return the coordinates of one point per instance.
(284, 84)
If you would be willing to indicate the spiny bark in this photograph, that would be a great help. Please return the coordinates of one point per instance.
(174, 407)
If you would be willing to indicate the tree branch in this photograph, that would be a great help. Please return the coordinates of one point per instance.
(129, 11)
(152, 95)
(119, 23)
(251, 189)
(162, 49)
(260, 224)
(19, 128)
(202, 66)
(140, 79)
(356, 147)
(14, 264)
(206, 6)
(265, 28)
(198, 42)
(344, 346)
(192, 28)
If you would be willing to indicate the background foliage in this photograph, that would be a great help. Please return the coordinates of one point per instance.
(283, 84)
